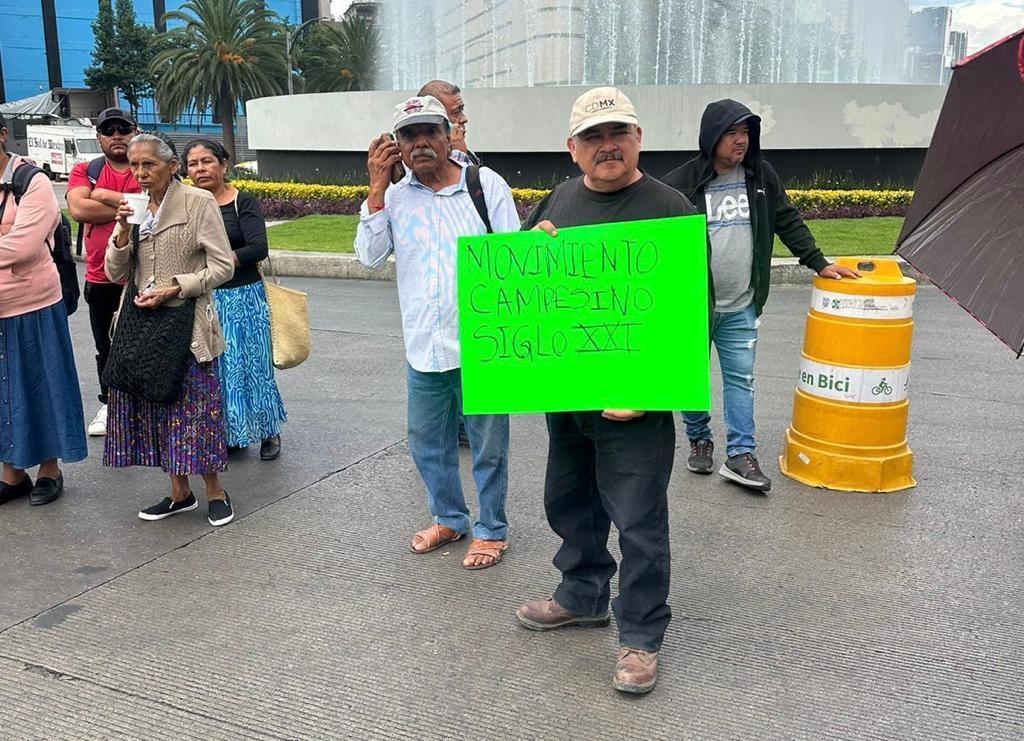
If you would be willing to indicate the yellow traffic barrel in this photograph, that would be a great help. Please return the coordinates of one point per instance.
(849, 429)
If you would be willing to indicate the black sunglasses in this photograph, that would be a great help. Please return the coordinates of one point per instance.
(121, 128)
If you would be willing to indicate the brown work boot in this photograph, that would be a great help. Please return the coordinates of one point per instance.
(546, 614)
(636, 671)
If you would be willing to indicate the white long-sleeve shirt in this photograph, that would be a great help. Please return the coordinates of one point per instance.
(422, 229)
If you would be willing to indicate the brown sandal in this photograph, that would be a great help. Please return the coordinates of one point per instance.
(435, 536)
(492, 549)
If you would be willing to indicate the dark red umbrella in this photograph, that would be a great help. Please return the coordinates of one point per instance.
(965, 226)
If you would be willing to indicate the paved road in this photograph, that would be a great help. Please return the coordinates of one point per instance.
(806, 614)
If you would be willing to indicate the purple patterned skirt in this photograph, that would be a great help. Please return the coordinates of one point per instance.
(183, 438)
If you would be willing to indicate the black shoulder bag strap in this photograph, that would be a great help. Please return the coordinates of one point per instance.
(476, 192)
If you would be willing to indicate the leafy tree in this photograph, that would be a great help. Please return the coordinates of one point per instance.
(134, 52)
(102, 74)
(121, 54)
(338, 57)
(219, 54)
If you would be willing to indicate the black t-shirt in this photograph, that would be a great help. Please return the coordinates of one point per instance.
(574, 204)
(247, 232)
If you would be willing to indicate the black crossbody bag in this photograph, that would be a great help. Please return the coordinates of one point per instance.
(150, 349)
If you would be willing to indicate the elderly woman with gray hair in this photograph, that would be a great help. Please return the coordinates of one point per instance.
(165, 402)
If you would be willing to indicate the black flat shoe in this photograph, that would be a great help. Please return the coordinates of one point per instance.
(46, 490)
(271, 448)
(15, 491)
(235, 449)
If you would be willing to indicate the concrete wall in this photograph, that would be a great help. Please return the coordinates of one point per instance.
(536, 119)
(842, 128)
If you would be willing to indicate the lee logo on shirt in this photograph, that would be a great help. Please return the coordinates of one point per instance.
(730, 208)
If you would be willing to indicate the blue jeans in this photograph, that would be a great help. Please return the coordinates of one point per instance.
(735, 338)
(434, 409)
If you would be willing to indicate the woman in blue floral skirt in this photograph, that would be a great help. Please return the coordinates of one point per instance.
(255, 411)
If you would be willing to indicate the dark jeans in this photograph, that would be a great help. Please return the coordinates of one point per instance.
(103, 300)
(600, 472)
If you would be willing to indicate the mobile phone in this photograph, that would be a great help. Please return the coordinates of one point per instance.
(397, 169)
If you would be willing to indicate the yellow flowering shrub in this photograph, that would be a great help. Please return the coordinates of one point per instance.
(813, 202)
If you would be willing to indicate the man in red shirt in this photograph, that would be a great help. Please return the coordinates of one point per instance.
(93, 195)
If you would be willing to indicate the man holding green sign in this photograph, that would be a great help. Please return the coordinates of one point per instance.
(612, 465)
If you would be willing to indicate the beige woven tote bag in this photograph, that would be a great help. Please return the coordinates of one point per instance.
(289, 322)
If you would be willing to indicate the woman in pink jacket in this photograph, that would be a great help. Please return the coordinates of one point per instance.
(41, 418)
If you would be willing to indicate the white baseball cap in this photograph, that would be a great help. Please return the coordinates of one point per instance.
(601, 105)
(420, 109)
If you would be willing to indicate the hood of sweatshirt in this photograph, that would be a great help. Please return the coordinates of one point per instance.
(718, 118)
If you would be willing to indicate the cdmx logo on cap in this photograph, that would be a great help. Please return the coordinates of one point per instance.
(413, 106)
(599, 105)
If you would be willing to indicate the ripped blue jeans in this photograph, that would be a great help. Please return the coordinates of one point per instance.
(735, 338)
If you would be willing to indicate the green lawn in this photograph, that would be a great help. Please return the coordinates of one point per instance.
(315, 234)
(870, 236)
(74, 224)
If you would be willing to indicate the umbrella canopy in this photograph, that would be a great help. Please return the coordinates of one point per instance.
(965, 226)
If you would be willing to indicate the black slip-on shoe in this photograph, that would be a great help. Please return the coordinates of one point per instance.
(270, 448)
(9, 492)
(221, 512)
(166, 508)
(46, 490)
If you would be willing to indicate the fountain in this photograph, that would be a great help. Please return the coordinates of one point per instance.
(534, 43)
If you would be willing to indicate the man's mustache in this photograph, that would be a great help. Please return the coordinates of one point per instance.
(423, 152)
(605, 156)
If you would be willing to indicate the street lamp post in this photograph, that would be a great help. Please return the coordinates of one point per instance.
(289, 42)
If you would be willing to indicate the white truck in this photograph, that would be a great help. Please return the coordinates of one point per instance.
(57, 148)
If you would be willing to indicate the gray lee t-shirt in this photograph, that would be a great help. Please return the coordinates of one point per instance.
(732, 240)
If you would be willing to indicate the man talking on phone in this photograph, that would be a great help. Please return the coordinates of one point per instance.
(393, 220)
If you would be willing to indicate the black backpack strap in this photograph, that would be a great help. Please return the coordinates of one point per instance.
(20, 180)
(476, 193)
(95, 169)
(92, 171)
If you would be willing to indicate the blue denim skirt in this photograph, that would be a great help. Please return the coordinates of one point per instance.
(40, 402)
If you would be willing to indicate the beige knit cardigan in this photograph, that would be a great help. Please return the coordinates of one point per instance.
(188, 248)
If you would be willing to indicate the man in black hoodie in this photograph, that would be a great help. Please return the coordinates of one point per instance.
(746, 206)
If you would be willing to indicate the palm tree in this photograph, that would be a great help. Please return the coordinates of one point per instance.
(220, 54)
(338, 57)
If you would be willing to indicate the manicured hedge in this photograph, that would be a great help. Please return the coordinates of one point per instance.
(291, 200)
(846, 204)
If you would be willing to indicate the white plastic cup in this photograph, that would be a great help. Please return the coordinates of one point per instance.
(139, 203)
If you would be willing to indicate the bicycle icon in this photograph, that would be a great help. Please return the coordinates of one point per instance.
(882, 388)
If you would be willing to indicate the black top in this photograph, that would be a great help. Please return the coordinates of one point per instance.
(574, 204)
(247, 232)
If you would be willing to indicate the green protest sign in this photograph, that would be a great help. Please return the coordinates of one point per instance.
(610, 316)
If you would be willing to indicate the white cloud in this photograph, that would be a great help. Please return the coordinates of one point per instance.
(985, 21)
(988, 21)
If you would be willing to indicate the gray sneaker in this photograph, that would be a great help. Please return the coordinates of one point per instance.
(700, 460)
(745, 471)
